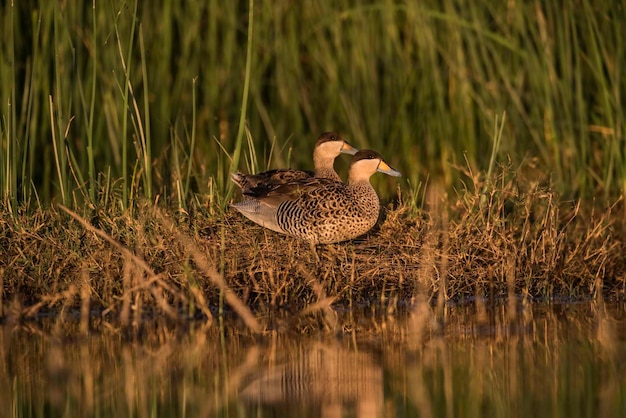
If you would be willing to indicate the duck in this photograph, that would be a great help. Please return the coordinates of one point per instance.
(327, 148)
(321, 210)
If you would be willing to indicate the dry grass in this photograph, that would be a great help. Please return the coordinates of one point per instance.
(509, 240)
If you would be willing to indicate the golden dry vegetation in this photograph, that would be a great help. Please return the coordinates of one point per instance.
(511, 240)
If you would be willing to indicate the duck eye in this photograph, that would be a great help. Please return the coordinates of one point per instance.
(333, 137)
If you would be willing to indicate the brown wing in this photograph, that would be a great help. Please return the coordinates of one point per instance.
(275, 194)
(269, 179)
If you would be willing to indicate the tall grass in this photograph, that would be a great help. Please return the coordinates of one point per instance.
(108, 85)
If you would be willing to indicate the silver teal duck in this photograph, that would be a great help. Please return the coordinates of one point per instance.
(327, 147)
(321, 210)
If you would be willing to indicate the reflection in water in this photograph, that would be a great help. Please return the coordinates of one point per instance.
(555, 360)
(317, 374)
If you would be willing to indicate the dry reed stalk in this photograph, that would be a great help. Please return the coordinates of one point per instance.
(1, 292)
(323, 301)
(213, 275)
(127, 293)
(509, 272)
(137, 276)
(202, 303)
(85, 297)
(444, 238)
(433, 267)
(139, 262)
(157, 293)
(135, 258)
(51, 300)
(66, 304)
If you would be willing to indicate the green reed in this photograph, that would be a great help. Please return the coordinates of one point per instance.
(420, 82)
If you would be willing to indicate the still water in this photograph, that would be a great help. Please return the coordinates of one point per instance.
(555, 360)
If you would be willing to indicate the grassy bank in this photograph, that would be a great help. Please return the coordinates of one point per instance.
(505, 242)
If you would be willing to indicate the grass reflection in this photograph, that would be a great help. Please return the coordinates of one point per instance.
(546, 360)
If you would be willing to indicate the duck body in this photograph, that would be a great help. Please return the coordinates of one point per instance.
(320, 210)
(352, 211)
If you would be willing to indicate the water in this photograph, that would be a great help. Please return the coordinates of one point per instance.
(558, 360)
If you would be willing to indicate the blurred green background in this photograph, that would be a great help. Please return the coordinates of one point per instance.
(104, 101)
